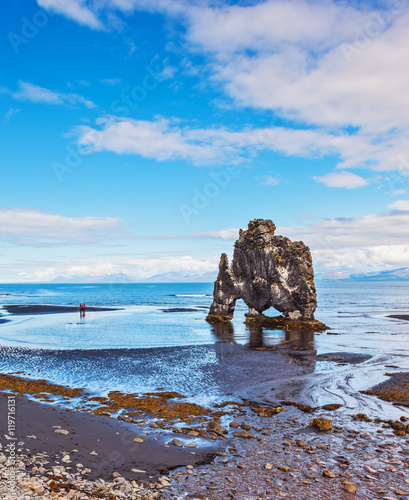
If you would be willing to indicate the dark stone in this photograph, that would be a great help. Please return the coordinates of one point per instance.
(267, 271)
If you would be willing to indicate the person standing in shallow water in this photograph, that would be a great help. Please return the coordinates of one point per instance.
(82, 310)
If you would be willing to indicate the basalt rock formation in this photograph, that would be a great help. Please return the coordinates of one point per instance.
(267, 271)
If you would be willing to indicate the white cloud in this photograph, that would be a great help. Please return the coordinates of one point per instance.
(342, 180)
(324, 65)
(166, 6)
(89, 13)
(269, 180)
(34, 93)
(262, 26)
(390, 228)
(297, 63)
(294, 57)
(362, 260)
(22, 226)
(397, 192)
(225, 234)
(34, 228)
(358, 244)
(400, 205)
(77, 10)
(167, 139)
(159, 139)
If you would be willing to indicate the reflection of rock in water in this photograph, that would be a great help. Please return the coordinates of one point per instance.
(296, 339)
(301, 339)
(289, 366)
(256, 336)
(224, 332)
(301, 348)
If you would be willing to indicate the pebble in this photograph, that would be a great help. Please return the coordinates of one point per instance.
(138, 440)
(61, 431)
(323, 424)
(213, 426)
(176, 442)
(243, 434)
(349, 486)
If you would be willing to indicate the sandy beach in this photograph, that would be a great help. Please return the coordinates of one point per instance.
(399, 316)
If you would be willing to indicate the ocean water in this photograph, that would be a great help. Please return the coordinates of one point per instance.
(159, 337)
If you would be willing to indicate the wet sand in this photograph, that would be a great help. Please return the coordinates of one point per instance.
(110, 438)
(399, 316)
(51, 309)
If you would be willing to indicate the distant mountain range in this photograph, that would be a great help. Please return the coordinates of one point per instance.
(174, 277)
(171, 277)
(401, 274)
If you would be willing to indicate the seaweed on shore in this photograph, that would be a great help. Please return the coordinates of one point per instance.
(40, 387)
(395, 390)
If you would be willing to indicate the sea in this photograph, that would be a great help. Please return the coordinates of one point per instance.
(158, 336)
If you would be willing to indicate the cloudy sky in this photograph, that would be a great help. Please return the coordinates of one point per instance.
(138, 136)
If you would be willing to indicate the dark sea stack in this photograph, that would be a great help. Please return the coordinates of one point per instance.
(267, 271)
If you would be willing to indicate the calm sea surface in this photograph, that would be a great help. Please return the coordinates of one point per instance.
(151, 342)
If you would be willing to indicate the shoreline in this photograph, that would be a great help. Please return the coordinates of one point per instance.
(111, 440)
(265, 453)
(52, 309)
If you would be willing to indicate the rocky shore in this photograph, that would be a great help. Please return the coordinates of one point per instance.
(238, 449)
(284, 457)
(298, 452)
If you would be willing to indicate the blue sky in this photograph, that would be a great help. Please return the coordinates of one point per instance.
(139, 136)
